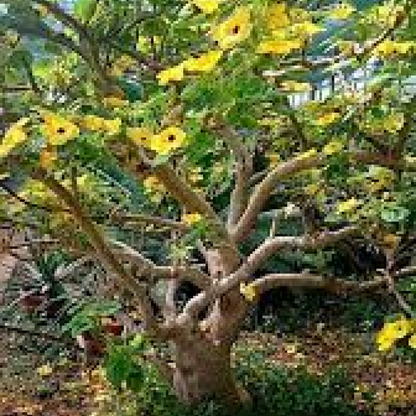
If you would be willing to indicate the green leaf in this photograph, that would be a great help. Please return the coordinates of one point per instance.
(85, 9)
(394, 214)
(160, 160)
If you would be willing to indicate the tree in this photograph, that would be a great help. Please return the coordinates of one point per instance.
(197, 123)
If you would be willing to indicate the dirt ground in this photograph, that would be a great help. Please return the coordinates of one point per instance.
(29, 386)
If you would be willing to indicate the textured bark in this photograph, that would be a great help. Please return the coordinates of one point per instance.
(203, 371)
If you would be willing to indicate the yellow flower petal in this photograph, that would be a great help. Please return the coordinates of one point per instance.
(58, 130)
(390, 48)
(48, 157)
(45, 370)
(248, 291)
(342, 11)
(234, 30)
(306, 29)
(295, 86)
(334, 146)
(347, 206)
(204, 63)
(308, 154)
(206, 6)
(112, 127)
(273, 158)
(191, 218)
(394, 122)
(115, 102)
(92, 122)
(140, 136)
(279, 46)
(327, 119)
(171, 74)
(168, 140)
(412, 341)
(14, 136)
(277, 17)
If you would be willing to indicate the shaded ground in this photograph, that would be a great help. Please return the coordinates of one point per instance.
(70, 391)
(43, 378)
(390, 381)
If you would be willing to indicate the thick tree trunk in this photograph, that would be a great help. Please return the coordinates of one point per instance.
(203, 371)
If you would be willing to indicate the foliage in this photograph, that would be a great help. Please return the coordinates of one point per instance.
(86, 316)
(232, 134)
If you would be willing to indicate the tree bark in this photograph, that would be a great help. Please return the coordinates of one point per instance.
(203, 371)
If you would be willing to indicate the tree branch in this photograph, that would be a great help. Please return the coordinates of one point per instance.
(149, 219)
(291, 167)
(256, 259)
(148, 269)
(307, 280)
(105, 254)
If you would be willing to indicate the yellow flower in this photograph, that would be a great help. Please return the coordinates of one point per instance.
(311, 189)
(140, 136)
(277, 17)
(306, 29)
(391, 240)
(279, 46)
(390, 48)
(45, 370)
(168, 140)
(234, 30)
(290, 348)
(112, 127)
(248, 291)
(171, 74)
(191, 218)
(48, 157)
(308, 154)
(114, 101)
(43, 10)
(391, 332)
(273, 158)
(206, 6)
(334, 146)
(92, 122)
(14, 136)
(327, 119)
(342, 11)
(394, 122)
(121, 65)
(204, 63)
(58, 130)
(195, 175)
(152, 183)
(347, 206)
(402, 328)
(297, 15)
(385, 341)
(154, 188)
(294, 86)
(412, 341)
(380, 178)
(346, 47)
